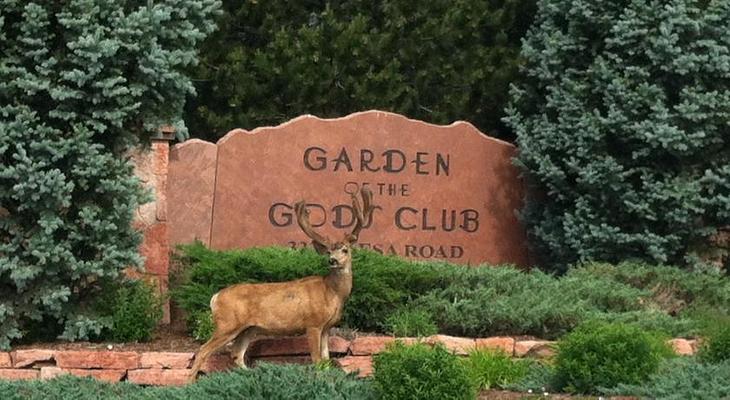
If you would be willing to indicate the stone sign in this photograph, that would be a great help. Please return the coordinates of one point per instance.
(442, 192)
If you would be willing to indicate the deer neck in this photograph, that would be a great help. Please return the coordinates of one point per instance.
(339, 280)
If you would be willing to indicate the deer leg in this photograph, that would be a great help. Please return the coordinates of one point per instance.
(314, 336)
(324, 344)
(240, 345)
(219, 339)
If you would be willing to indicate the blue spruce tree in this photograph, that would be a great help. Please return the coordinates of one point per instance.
(81, 81)
(623, 125)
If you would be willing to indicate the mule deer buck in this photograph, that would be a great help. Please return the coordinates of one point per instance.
(310, 305)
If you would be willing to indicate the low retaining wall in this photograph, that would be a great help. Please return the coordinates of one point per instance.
(172, 368)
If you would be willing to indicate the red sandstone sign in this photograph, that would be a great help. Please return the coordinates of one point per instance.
(442, 192)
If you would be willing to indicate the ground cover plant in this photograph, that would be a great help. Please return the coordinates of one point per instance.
(467, 301)
(684, 378)
(261, 383)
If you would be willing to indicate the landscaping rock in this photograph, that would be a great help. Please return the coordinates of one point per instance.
(218, 362)
(683, 347)
(159, 377)
(534, 348)
(369, 345)
(24, 358)
(5, 360)
(165, 360)
(97, 359)
(504, 343)
(107, 375)
(363, 365)
(18, 374)
(457, 345)
(293, 346)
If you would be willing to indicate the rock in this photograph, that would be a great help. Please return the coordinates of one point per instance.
(457, 345)
(534, 348)
(164, 360)
(97, 359)
(5, 360)
(504, 343)
(218, 362)
(368, 345)
(285, 346)
(107, 375)
(363, 365)
(159, 377)
(24, 358)
(683, 347)
(18, 374)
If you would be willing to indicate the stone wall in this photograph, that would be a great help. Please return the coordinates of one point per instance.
(172, 368)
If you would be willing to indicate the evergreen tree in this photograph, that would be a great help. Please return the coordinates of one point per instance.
(440, 61)
(80, 82)
(623, 125)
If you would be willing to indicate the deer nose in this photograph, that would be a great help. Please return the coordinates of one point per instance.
(333, 261)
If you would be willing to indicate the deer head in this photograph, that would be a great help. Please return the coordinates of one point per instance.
(340, 252)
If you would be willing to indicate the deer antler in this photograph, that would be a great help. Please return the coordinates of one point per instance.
(300, 208)
(363, 213)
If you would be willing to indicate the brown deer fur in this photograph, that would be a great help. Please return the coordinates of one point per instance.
(310, 305)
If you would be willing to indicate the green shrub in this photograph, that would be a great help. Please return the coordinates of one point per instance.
(202, 326)
(467, 301)
(599, 355)
(381, 284)
(669, 288)
(81, 83)
(410, 322)
(682, 378)
(624, 134)
(421, 372)
(494, 369)
(261, 383)
(716, 341)
(134, 309)
(439, 61)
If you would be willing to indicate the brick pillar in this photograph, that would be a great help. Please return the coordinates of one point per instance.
(151, 167)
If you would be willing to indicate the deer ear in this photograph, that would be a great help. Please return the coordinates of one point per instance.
(320, 248)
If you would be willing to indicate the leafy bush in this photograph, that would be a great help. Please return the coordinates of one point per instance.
(414, 323)
(134, 309)
(80, 83)
(682, 378)
(439, 60)
(421, 372)
(495, 369)
(467, 301)
(261, 383)
(598, 355)
(624, 134)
